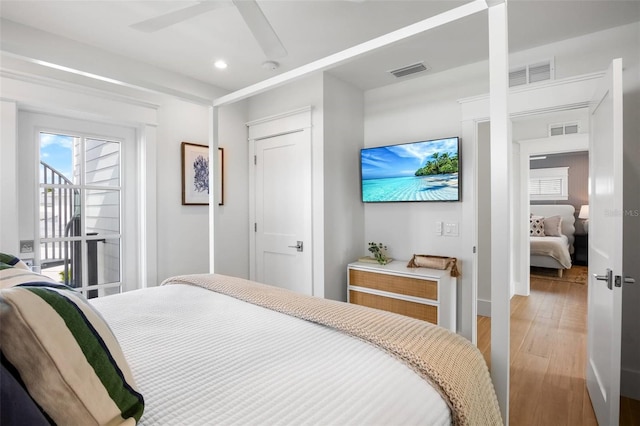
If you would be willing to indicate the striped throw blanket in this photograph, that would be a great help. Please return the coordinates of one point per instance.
(448, 361)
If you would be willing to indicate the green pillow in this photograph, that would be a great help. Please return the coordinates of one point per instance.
(67, 356)
(10, 261)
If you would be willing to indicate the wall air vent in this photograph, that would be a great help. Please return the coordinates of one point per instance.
(532, 73)
(409, 69)
(564, 129)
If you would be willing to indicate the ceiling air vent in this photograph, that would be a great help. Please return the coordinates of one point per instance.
(518, 77)
(540, 72)
(564, 129)
(409, 69)
(532, 73)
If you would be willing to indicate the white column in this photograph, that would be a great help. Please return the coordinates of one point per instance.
(500, 201)
(213, 184)
(148, 216)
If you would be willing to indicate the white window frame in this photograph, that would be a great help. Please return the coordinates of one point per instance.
(538, 177)
(32, 123)
(83, 187)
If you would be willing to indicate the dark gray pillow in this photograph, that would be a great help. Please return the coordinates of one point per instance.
(17, 406)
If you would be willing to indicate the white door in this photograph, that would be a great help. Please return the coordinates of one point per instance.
(79, 181)
(605, 247)
(283, 211)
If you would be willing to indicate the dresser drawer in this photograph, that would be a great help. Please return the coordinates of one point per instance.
(426, 289)
(411, 309)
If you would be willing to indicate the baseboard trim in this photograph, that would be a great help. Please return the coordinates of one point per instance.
(629, 383)
(484, 308)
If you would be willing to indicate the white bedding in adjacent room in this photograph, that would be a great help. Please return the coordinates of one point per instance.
(231, 362)
(554, 247)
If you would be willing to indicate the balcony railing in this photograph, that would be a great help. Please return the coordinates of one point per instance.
(60, 217)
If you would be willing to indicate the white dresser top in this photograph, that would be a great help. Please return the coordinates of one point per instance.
(399, 267)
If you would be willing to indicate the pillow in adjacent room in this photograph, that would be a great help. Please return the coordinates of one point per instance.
(536, 226)
(553, 226)
(66, 355)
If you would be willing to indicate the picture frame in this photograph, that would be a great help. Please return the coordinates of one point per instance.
(195, 174)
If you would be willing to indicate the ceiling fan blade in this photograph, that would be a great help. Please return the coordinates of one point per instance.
(168, 19)
(261, 28)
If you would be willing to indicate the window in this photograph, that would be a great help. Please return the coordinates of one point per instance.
(80, 210)
(549, 183)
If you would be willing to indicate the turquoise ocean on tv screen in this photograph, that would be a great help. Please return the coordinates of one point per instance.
(411, 188)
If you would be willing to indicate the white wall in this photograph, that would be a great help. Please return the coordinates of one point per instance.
(343, 210)
(183, 242)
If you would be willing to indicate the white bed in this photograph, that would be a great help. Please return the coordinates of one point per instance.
(555, 251)
(211, 349)
(228, 362)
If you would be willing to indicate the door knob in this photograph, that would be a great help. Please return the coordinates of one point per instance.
(297, 246)
(608, 277)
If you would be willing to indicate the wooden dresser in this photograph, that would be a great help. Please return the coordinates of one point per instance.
(422, 293)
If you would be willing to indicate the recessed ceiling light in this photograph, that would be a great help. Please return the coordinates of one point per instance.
(220, 64)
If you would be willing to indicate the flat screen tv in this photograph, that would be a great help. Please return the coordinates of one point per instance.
(415, 171)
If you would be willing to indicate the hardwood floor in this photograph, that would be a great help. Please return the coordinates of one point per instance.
(548, 347)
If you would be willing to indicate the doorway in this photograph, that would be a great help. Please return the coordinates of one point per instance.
(79, 179)
(534, 141)
(280, 202)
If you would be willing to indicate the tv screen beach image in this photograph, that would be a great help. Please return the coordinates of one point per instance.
(417, 171)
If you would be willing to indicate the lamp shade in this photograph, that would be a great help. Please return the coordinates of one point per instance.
(584, 212)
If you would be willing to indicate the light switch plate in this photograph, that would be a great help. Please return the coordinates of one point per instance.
(451, 229)
(438, 228)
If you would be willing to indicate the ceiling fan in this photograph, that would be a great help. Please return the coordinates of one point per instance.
(249, 10)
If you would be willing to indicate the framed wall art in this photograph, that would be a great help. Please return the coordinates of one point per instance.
(195, 174)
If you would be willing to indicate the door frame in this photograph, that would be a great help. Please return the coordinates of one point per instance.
(31, 123)
(288, 122)
(541, 98)
(528, 147)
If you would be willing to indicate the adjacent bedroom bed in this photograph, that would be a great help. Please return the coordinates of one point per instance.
(212, 349)
(551, 233)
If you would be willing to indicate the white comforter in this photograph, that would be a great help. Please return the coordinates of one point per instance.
(202, 358)
(555, 247)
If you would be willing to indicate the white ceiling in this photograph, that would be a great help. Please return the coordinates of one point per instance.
(309, 30)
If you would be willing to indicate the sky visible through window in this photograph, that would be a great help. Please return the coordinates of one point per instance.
(57, 152)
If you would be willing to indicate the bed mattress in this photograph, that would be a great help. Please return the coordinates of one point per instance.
(200, 357)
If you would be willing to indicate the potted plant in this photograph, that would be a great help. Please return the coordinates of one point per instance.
(379, 252)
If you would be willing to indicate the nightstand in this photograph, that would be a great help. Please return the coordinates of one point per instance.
(581, 249)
